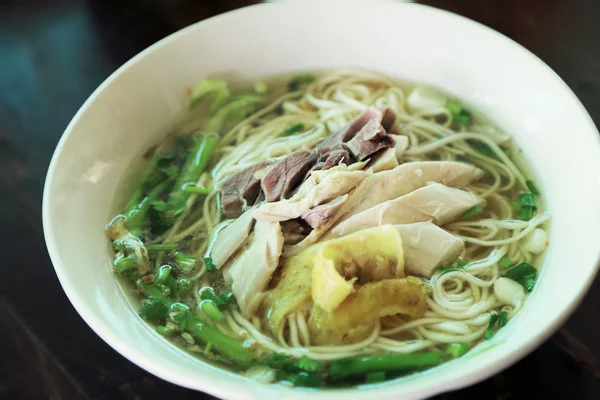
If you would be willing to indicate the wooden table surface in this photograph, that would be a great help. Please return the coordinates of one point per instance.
(54, 53)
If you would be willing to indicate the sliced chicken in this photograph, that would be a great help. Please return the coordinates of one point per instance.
(230, 238)
(384, 160)
(252, 270)
(432, 202)
(356, 316)
(427, 246)
(441, 202)
(319, 215)
(321, 187)
(405, 178)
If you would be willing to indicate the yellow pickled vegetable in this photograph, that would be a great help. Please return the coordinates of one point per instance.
(365, 256)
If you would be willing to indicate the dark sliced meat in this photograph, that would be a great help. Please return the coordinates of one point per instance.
(387, 119)
(241, 189)
(370, 139)
(338, 154)
(282, 178)
(347, 132)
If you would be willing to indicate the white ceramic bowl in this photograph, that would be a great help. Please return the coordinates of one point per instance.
(138, 104)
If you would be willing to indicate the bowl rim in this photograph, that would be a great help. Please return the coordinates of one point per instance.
(144, 361)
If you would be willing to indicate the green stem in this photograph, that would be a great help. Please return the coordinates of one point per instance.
(162, 247)
(393, 362)
(135, 218)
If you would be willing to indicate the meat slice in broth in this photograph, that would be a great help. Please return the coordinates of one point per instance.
(230, 238)
(370, 139)
(283, 177)
(241, 190)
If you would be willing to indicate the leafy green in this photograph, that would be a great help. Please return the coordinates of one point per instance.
(389, 363)
(216, 87)
(184, 263)
(525, 274)
(505, 262)
(374, 377)
(297, 127)
(502, 318)
(222, 301)
(237, 109)
(210, 264)
(460, 116)
(473, 211)
(153, 309)
(300, 80)
(532, 187)
(210, 309)
(162, 247)
(489, 333)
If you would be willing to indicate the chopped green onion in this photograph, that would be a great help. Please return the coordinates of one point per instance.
(300, 80)
(124, 263)
(207, 293)
(184, 263)
(375, 377)
(210, 309)
(525, 274)
(526, 200)
(456, 350)
(164, 272)
(473, 211)
(454, 108)
(210, 264)
(191, 188)
(526, 213)
(516, 206)
(460, 116)
(153, 309)
(308, 364)
(163, 330)
(391, 362)
(237, 109)
(162, 247)
(294, 128)
(502, 318)
(532, 187)
(461, 119)
(217, 87)
(261, 87)
(491, 325)
(505, 262)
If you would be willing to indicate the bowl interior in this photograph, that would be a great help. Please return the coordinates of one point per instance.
(140, 102)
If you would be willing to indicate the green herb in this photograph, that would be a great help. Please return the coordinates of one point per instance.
(473, 211)
(222, 301)
(388, 363)
(307, 364)
(195, 189)
(300, 80)
(526, 213)
(532, 187)
(374, 377)
(162, 275)
(216, 87)
(210, 309)
(460, 116)
(301, 378)
(505, 262)
(461, 262)
(162, 247)
(491, 325)
(210, 264)
(153, 309)
(184, 263)
(237, 109)
(525, 274)
(516, 206)
(455, 350)
(526, 200)
(124, 264)
(297, 127)
(502, 318)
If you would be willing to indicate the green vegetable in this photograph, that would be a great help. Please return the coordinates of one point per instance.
(153, 309)
(461, 262)
(163, 274)
(491, 325)
(532, 187)
(237, 109)
(134, 220)
(229, 347)
(459, 265)
(460, 116)
(516, 206)
(216, 87)
(455, 350)
(505, 262)
(222, 301)
(525, 274)
(197, 160)
(301, 378)
(297, 127)
(210, 264)
(449, 268)
(300, 80)
(210, 309)
(526, 200)
(388, 363)
(124, 264)
(191, 188)
(162, 247)
(526, 213)
(308, 364)
(473, 211)
(184, 263)
(502, 318)
(374, 377)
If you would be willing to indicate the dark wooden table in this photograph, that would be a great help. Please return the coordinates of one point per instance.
(54, 53)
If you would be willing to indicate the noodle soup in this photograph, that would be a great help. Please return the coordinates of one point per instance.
(337, 228)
